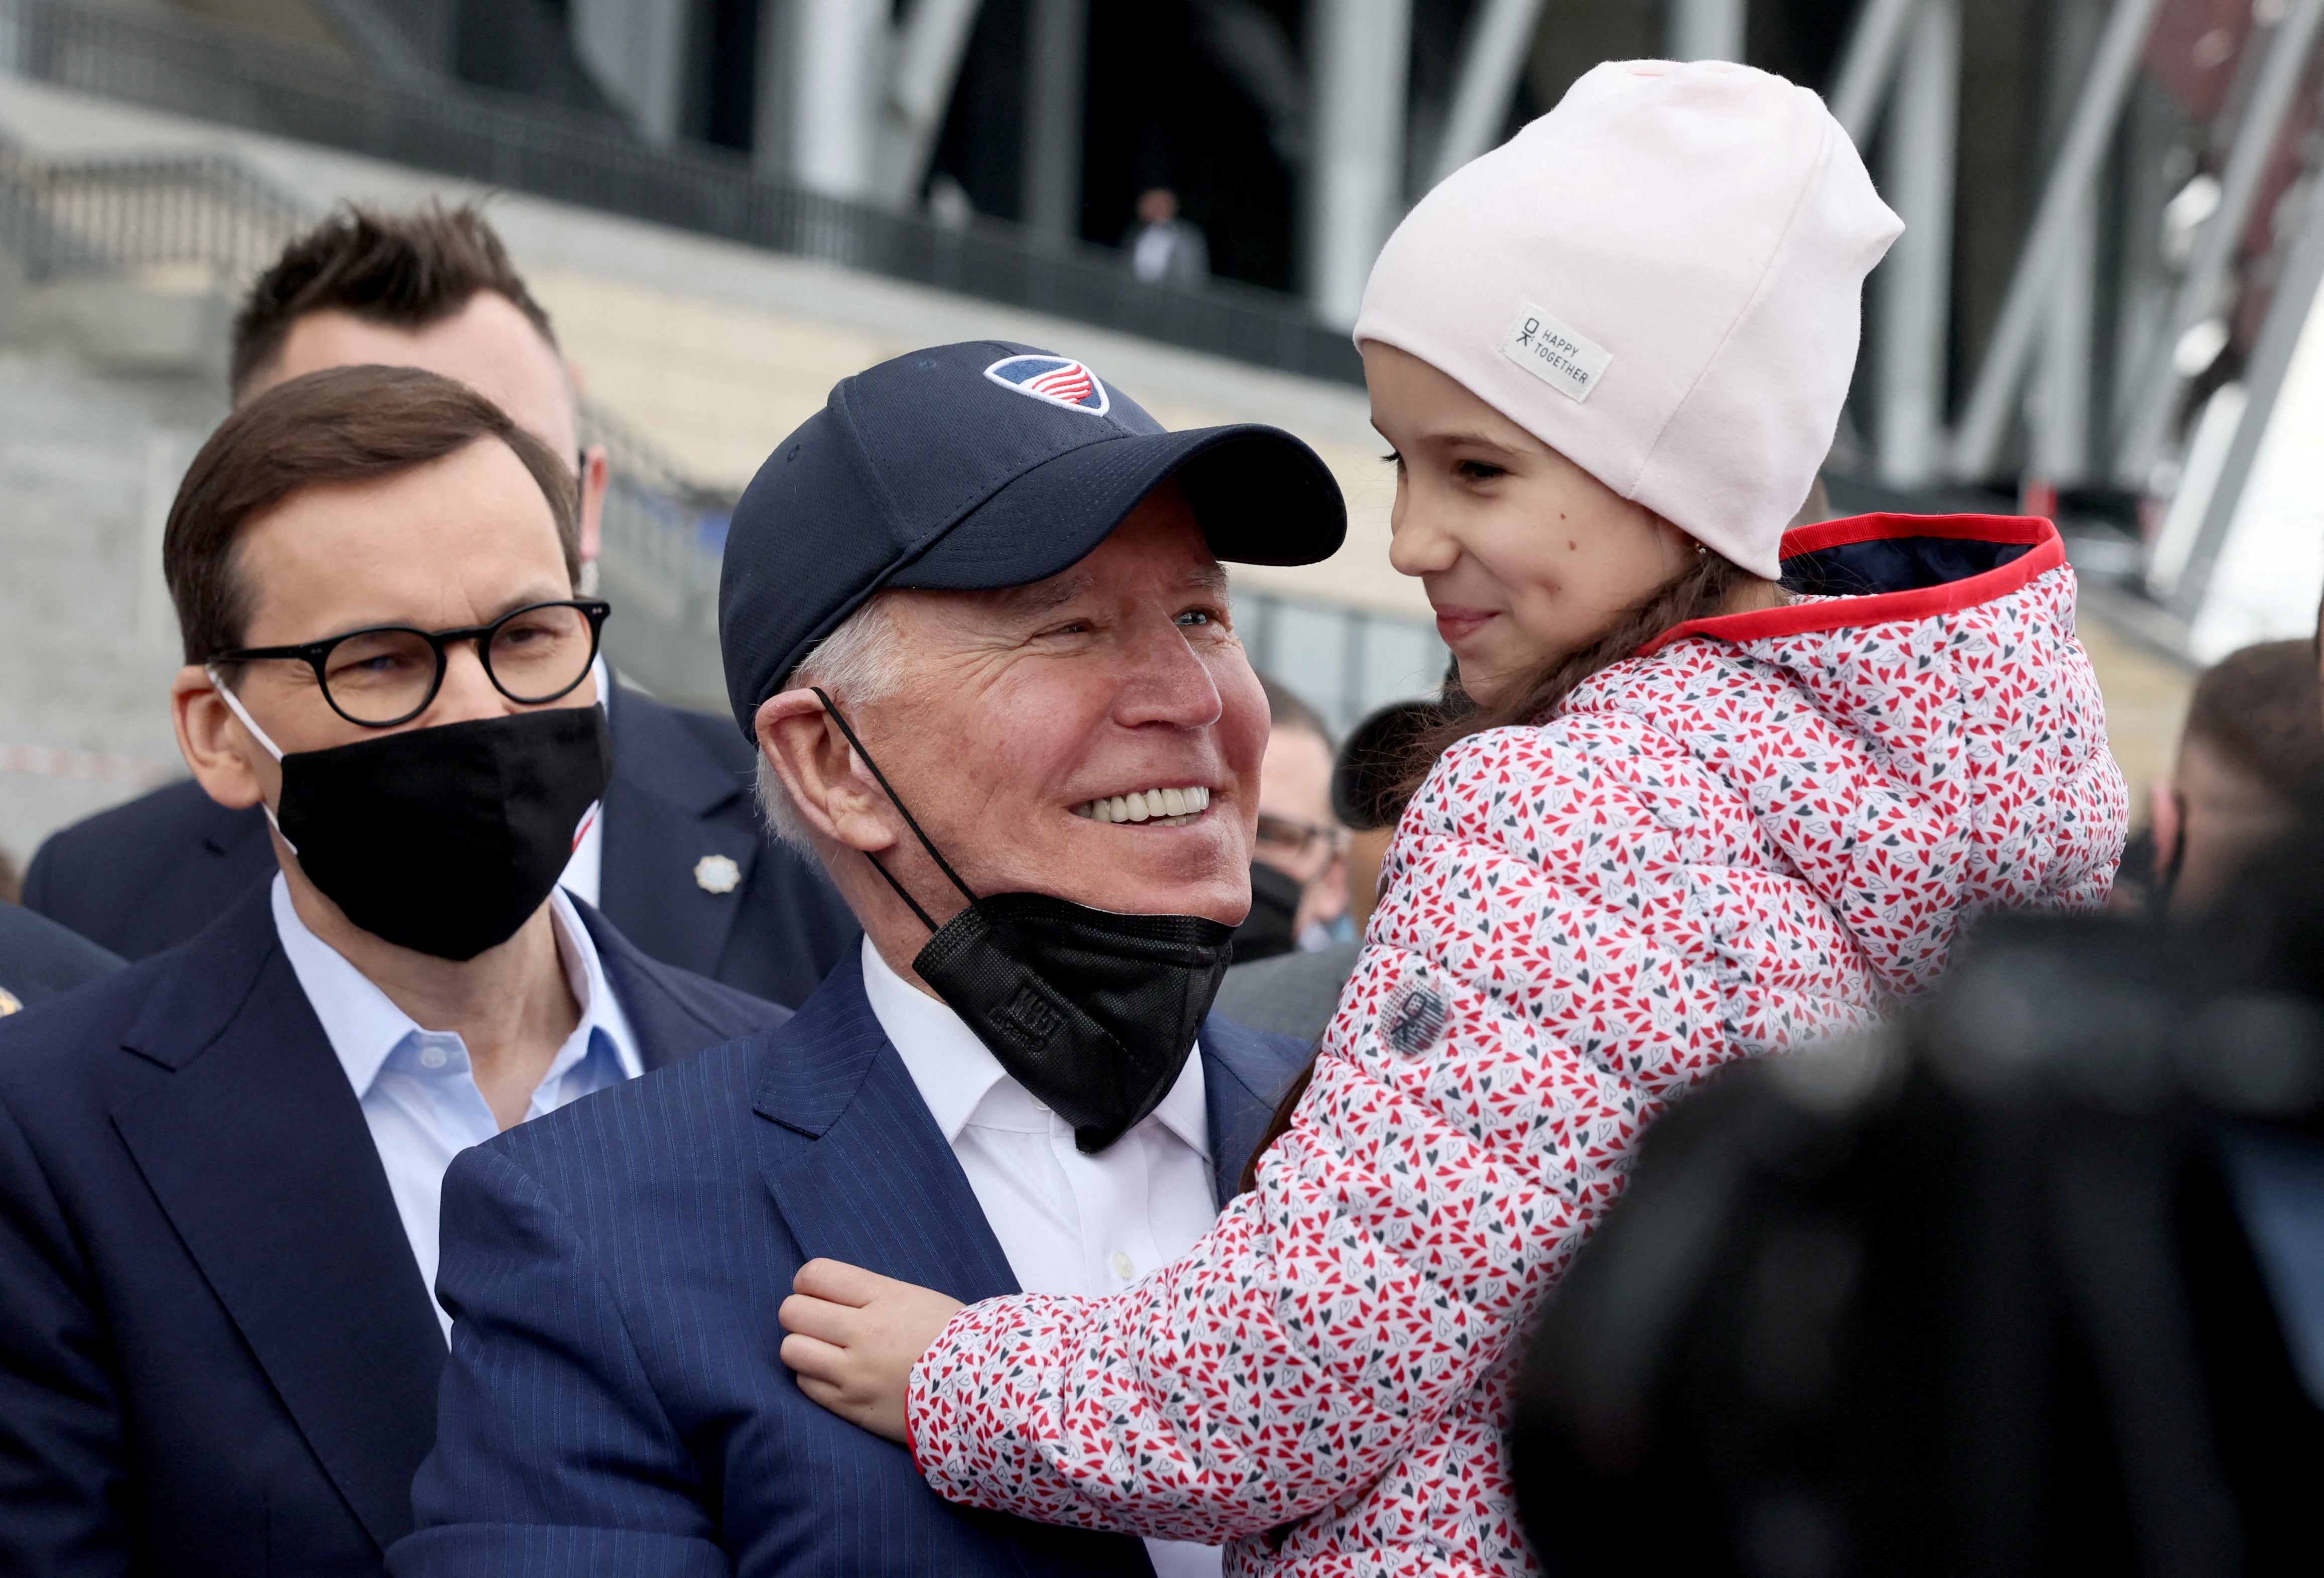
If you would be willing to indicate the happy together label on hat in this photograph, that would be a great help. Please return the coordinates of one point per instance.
(1563, 357)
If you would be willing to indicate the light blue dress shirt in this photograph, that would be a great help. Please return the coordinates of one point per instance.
(418, 1090)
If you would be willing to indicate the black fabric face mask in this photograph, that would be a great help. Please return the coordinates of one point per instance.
(443, 840)
(1094, 1014)
(1268, 930)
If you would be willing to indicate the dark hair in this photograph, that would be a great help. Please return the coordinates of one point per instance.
(1702, 590)
(2262, 708)
(404, 270)
(1368, 780)
(1288, 711)
(341, 425)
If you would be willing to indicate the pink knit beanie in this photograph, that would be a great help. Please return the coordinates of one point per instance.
(1660, 279)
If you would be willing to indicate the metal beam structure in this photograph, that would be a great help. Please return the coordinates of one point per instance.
(1913, 289)
(636, 49)
(928, 44)
(1706, 30)
(2291, 44)
(2288, 312)
(1359, 55)
(2058, 412)
(1054, 59)
(1866, 63)
(838, 67)
(1985, 415)
(863, 100)
(1492, 61)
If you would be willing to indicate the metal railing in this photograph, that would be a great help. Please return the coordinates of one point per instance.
(124, 216)
(670, 528)
(210, 223)
(220, 73)
(131, 215)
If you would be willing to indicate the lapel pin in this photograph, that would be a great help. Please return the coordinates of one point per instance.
(716, 873)
(9, 1002)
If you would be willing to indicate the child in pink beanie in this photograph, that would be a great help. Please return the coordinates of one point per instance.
(1716, 790)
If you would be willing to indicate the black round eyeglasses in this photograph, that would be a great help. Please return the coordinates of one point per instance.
(389, 674)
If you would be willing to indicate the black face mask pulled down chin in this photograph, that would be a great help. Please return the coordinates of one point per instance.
(1094, 1014)
(445, 840)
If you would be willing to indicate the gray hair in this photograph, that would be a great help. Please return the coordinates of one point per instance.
(857, 664)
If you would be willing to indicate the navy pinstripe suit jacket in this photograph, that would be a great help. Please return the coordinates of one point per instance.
(614, 1402)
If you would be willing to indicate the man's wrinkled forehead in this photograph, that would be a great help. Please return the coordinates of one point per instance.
(1042, 599)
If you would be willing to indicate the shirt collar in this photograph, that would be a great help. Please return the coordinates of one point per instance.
(585, 973)
(363, 1024)
(954, 1071)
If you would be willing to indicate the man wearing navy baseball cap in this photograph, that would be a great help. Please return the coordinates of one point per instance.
(974, 619)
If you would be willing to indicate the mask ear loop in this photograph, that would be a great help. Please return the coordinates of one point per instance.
(889, 789)
(233, 705)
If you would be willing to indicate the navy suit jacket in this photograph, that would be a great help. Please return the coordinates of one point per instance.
(39, 958)
(615, 1402)
(217, 1356)
(147, 875)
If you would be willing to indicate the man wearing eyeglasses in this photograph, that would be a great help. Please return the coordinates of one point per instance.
(220, 1169)
(1299, 874)
(678, 857)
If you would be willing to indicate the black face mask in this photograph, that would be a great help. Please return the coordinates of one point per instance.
(1269, 930)
(445, 840)
(1094, 1014)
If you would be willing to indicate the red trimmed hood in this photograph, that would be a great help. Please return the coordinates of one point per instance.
(1918, 737)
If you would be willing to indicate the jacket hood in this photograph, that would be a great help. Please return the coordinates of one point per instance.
(1918, 736)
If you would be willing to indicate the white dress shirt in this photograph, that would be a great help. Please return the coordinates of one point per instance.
(1091, 1225)
(418, 1090)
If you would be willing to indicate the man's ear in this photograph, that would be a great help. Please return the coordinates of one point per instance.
(597, 475)
(216, 747)
(833, 793)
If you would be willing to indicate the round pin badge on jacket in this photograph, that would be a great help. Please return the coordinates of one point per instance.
(716, 873)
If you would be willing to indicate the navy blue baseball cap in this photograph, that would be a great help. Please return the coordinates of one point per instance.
(975, 466)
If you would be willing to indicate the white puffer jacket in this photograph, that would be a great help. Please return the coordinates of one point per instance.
(1767, 826)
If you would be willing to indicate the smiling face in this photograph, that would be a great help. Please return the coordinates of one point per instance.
(1096, 736)
(1525, 556)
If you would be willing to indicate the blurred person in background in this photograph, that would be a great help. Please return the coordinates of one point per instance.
(1299, 876)
(679, 859)
(1683, 820)
(2251, 750)
(219, 1168)
(1165, 247)
(38, 957)
(2031, 1282)
(1295, 994)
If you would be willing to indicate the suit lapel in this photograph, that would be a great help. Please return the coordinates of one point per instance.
(666, 1030)
(257, 1151)
(857, 1166)
(659, 828)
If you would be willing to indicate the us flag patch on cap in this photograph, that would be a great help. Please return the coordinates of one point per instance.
(1058, 380)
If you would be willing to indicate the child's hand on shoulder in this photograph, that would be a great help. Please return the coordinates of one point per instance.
(855, 1337)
